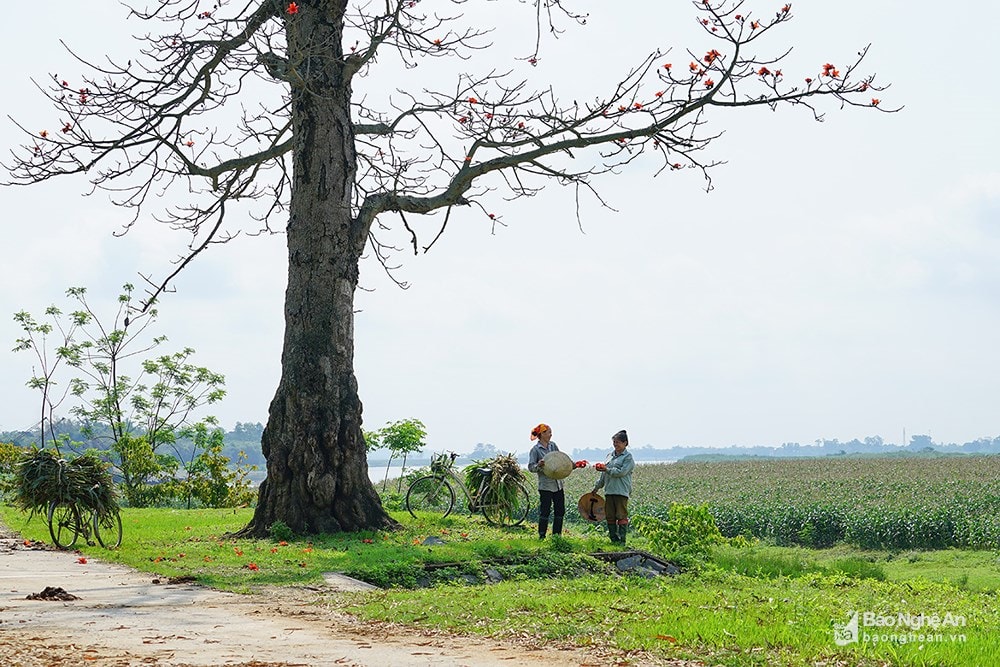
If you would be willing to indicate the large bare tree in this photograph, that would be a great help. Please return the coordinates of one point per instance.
(336, 162)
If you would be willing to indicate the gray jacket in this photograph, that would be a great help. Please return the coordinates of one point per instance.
(538, 453)
(617, 478)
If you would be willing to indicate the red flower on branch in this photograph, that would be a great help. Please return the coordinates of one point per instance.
(875, 101)
(473, 100)
(709, 83)
(787, 8)
(763, 71)
(667, 66)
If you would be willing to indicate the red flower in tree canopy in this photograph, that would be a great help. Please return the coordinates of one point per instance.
(637, 105)
(738, 17)
(521, 125)
(292, 8)
(875, 101)
(709, 83)
(755, 25)
(42, 134)
(659, 93)
(189, 143)
(711, 56)
(667, 66)
(787, 8)
(488, 116)
(437, 42)
(66, 128)
(473, 100)
(763, 71)
(693, 66)
(809, 79)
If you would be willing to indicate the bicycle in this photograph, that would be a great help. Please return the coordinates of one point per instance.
(67, 523)
(434, 493)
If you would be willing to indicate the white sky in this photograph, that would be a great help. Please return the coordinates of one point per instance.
(841, 281)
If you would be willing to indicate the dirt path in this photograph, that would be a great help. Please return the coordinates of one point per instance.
(123, 618)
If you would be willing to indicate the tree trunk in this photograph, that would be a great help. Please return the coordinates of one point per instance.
(317, 467)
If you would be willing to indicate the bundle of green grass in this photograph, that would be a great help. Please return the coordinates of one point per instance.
(43, 477)
(504, 475)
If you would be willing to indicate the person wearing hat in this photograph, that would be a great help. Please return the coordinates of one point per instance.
(616, 477)
(550, 491)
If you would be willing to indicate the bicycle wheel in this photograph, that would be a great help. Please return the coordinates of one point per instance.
(64, 524)
(108, 529)
(432, 495)
(507, 511)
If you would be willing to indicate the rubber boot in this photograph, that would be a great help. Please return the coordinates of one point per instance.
(622, 530)
(557, 525)
(613, 532)
(543, 527)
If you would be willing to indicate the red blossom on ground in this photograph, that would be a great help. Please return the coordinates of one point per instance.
(292, 8)
(368, 540)
(207, 559)
(81, 560)
(252, 566)
(282, 543)
(274, 550)
(238, 551)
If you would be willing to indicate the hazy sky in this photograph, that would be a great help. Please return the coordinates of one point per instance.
(840, 281)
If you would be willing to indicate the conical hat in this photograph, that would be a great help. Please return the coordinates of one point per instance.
(591, 507)
(557, 465)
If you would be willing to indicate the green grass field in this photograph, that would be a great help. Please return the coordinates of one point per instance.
(744, 604)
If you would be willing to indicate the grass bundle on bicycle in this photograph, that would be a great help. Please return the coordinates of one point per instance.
(502, 476)
(68, 490)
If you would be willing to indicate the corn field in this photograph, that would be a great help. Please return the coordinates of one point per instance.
(873, 503)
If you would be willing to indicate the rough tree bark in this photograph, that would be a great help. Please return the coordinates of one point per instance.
(317, 469)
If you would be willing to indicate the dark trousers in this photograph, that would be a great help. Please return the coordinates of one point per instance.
(548, 499)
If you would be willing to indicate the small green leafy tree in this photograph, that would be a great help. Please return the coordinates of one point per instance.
(140, 414)
(36, 337)
(400, 438)
(209, 478)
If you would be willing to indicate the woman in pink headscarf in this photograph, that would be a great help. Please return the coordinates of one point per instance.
(550, 491)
